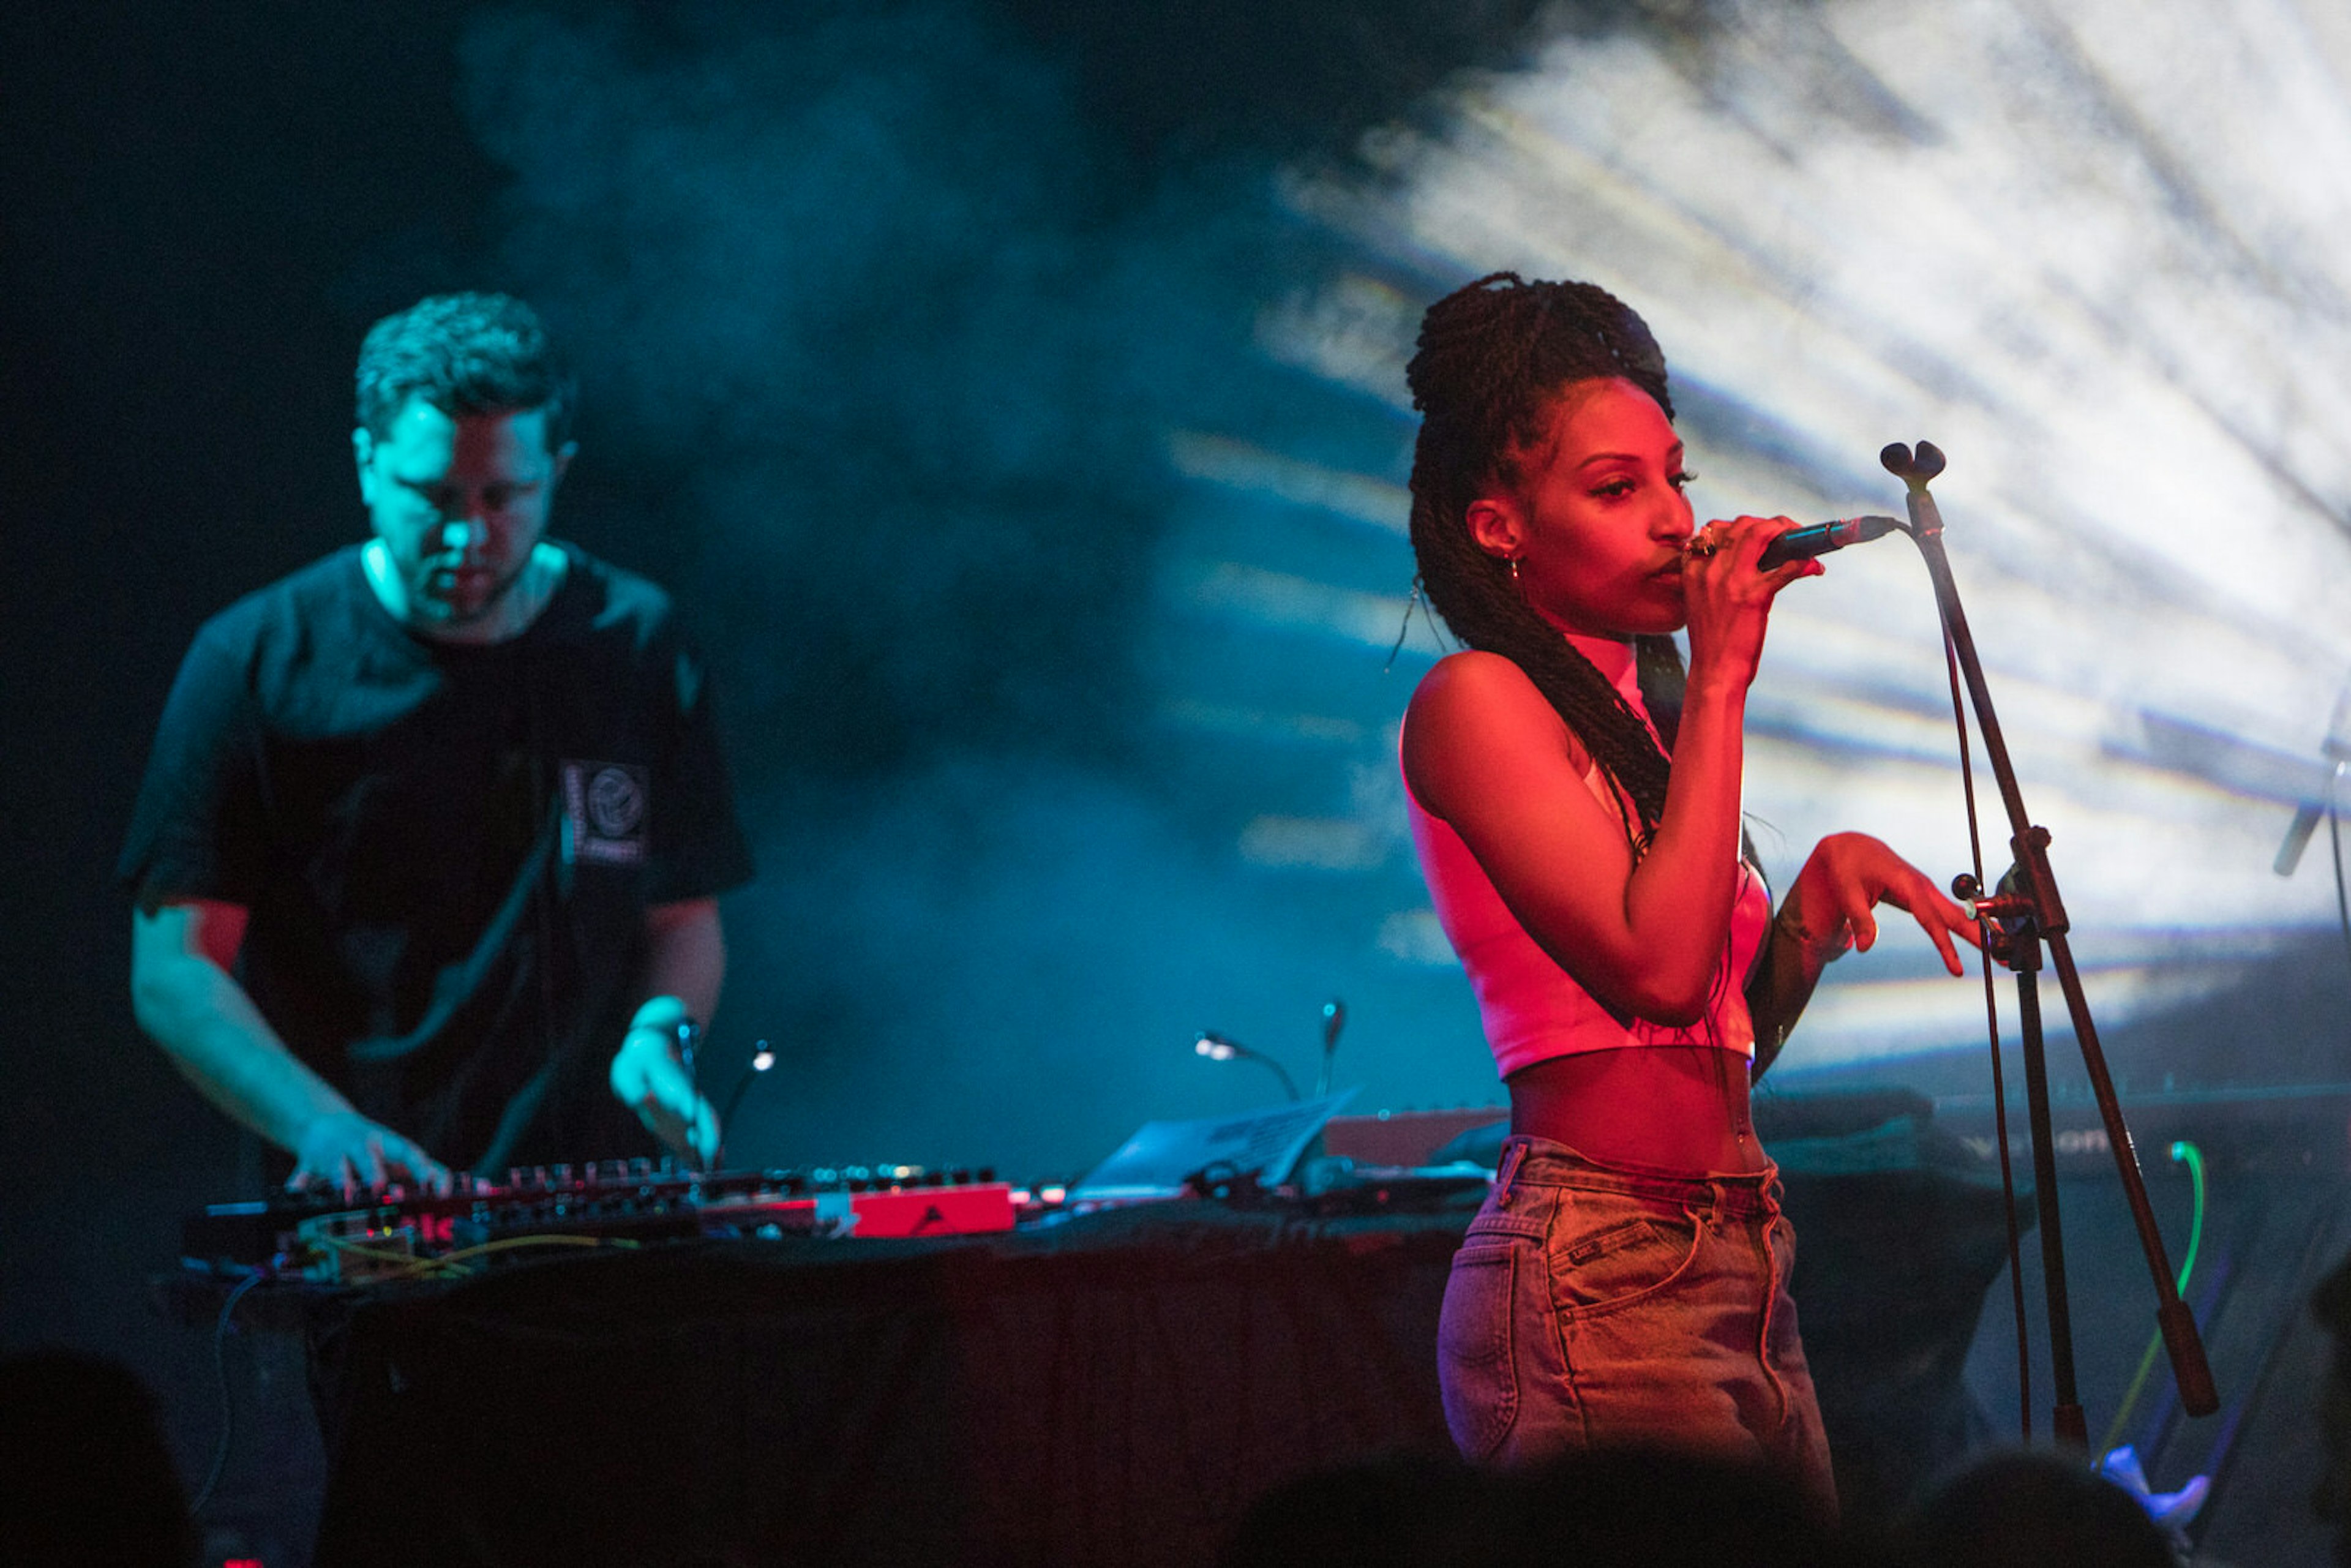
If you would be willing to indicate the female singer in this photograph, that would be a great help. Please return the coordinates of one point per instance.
(1575, 801)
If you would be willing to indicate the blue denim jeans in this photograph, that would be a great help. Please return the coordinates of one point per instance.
(1598, 1305)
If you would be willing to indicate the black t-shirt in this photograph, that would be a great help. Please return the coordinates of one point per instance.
(447, 850)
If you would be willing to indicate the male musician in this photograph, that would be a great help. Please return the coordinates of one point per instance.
(427, 855)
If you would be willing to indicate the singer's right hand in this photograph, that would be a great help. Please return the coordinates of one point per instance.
(1729, 599)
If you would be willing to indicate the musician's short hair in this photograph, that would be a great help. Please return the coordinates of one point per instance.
(464, 353)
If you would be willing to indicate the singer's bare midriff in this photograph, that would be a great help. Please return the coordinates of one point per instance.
(1673, 1107)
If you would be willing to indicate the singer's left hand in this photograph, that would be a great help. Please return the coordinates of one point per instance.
(1848, 875)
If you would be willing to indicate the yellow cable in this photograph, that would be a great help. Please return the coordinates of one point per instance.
(413, 1266)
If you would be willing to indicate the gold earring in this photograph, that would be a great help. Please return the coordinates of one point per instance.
(1514, 568)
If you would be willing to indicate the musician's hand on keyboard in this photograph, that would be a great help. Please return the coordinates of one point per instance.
(650, 1079)
(345, 1150)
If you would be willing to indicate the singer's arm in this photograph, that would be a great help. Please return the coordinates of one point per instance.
(1830, 909)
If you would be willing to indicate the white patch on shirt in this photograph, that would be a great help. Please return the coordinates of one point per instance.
(607, 807)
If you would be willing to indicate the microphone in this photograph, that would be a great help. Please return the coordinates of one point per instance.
(1224, 1048)
(1804, 544)
(1335, 1019)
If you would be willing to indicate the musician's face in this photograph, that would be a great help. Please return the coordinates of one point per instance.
(1597, 521)
(459, 502)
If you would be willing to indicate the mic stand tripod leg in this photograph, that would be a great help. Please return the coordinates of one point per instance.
(2065, 1417)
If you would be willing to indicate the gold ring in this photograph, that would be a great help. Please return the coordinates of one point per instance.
(1704, 545)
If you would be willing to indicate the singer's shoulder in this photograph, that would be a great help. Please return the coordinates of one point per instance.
(1472, 701)
(1475, 679)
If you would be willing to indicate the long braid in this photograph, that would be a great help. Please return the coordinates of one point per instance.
(1491, 359)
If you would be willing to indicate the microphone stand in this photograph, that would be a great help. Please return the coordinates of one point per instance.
(2029, 914)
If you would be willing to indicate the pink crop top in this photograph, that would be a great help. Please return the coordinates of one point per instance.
(1533, 1009)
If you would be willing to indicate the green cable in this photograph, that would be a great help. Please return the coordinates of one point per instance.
(2183, 1150)
(2194, 1157)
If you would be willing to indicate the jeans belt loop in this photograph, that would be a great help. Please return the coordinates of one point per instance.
(1512, 1156)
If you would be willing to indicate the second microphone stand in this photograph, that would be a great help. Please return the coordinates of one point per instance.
(2028, 913)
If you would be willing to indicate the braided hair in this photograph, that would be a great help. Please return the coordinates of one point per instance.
(1491, 362)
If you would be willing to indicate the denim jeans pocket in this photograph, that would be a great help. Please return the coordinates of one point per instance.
(1475, 1368)
(1611, 1254)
